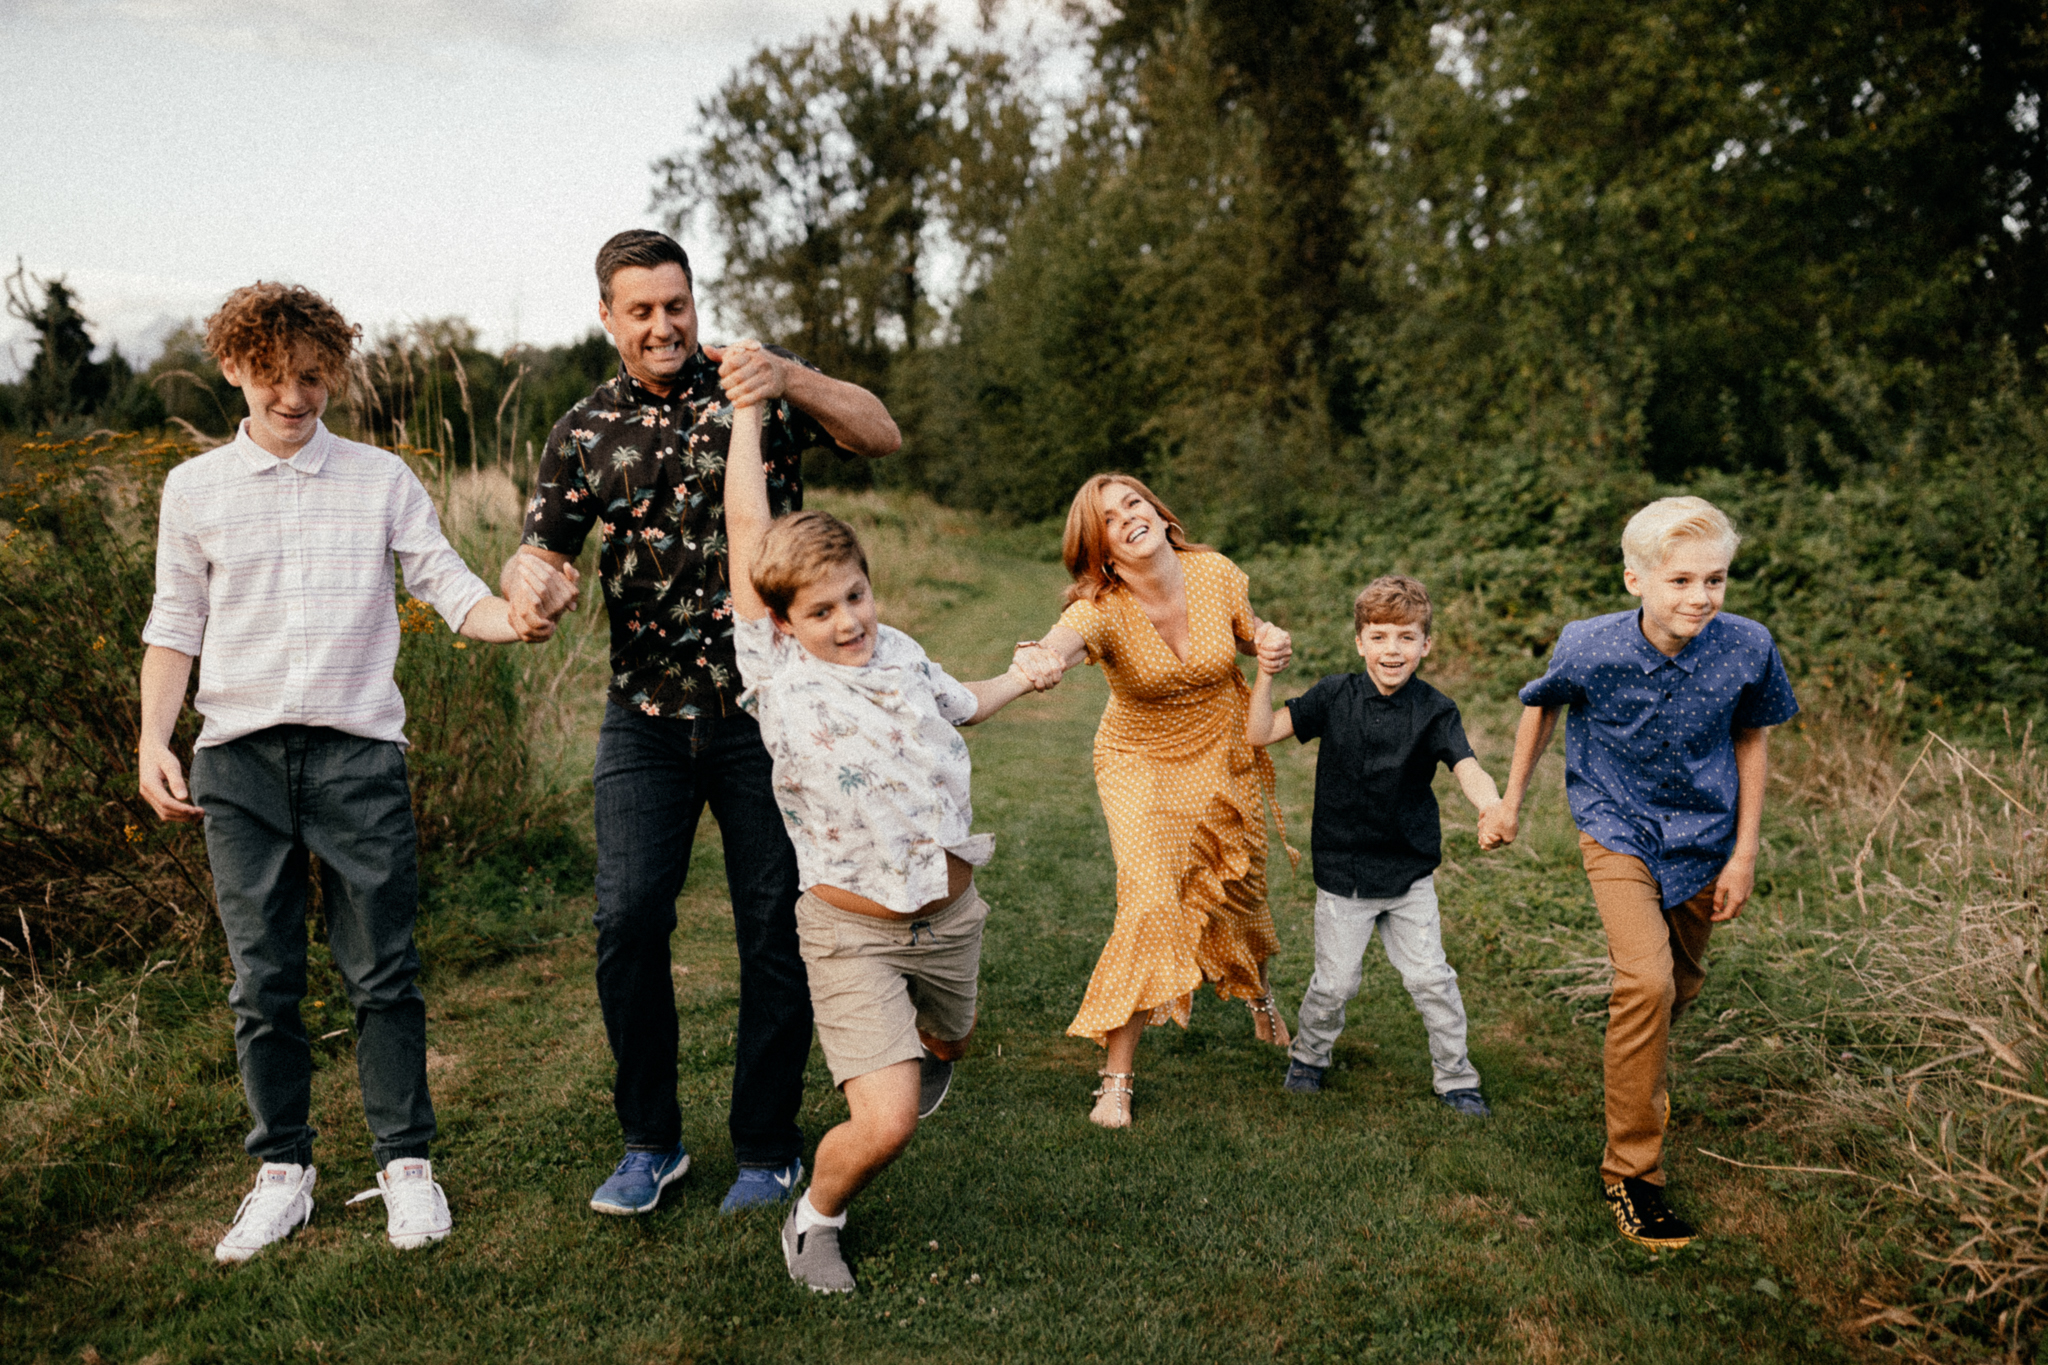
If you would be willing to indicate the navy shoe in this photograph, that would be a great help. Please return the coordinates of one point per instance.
(1470, 1103)
(1302, 1078)
(762, 1185)
(636, 1185)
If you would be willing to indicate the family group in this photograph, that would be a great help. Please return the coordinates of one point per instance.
(751, 674)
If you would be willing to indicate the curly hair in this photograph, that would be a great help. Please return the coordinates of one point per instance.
(260, 325)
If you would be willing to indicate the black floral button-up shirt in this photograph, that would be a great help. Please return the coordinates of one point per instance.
(649, 473)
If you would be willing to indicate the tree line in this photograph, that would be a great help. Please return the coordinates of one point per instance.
(1449, 287)
(1322, 268)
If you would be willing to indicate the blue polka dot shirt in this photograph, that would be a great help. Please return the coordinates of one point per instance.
(1649, 743)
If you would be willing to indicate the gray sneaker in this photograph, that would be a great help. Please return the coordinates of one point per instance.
(813, 1258)
(1470, 1103)
(934, 1079)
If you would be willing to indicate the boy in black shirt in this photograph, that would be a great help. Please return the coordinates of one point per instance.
(1376, 839)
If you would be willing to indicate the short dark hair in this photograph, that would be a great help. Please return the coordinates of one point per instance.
(642, 247)
(1392, 599)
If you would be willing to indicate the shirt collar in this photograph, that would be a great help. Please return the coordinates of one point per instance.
(686, 381)
(1650, 658)
(308, 461)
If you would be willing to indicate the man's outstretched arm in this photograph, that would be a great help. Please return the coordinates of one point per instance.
(752, 374)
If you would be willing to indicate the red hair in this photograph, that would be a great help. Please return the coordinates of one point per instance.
(1085, 547)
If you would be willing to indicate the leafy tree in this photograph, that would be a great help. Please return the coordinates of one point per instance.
(831, 170)
(64, 383)
(63, 380)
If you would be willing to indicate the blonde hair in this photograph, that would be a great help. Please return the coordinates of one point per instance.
(1392, 599)
(799, 549)
(1085, 546)
(1647, 539)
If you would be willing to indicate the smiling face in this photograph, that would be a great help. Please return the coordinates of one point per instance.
(652, 318)
(1392, 651)
(284, 409)
(833, 616)
(1681, 595)
(1132, 527)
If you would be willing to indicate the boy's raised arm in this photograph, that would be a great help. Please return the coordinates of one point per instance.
(1501, 823)
(746, 511)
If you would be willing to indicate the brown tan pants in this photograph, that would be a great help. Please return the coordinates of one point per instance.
(1659, 961)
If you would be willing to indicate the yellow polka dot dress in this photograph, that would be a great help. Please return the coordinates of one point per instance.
(1182, 792)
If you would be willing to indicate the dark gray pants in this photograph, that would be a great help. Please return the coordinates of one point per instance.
(272, 798)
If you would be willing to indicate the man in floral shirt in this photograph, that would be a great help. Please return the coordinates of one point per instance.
(642, 461)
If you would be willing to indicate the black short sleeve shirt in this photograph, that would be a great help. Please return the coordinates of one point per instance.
(1376, 826)
(647, 472)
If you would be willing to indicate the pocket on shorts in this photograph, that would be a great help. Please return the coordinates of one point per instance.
(816, 935)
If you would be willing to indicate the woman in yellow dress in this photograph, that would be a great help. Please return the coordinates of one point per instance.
(1181, 788)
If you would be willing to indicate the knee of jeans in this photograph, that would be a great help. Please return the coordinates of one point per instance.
(1655, 994)
(628, 917)
(1431, 980)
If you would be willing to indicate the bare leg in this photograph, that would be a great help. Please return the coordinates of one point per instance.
(884, 1105)
(945, 1049)
(1113, 1109)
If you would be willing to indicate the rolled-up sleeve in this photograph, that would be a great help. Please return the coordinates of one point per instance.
(177, 616)
(434, 573)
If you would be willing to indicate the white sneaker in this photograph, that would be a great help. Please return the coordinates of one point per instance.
(415, 1209)
(280, 1205)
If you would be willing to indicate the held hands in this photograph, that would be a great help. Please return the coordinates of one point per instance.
(540, 595)
(1498, 825)
(163, 786)
(749, 372)
(1037, 665)
(1275, 647)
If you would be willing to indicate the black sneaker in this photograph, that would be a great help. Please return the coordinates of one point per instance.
(934, 1079)
(1644, 1218)
(1302, 1078)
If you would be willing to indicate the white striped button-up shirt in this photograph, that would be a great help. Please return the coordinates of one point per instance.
(277, 575)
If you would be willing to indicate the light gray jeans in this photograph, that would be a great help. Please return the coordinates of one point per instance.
(1411, 931)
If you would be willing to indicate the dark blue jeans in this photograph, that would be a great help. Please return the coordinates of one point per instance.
(654, 777)
(271, 799)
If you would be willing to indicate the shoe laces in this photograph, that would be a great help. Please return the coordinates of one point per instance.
(409, 1201)
(267, 1209)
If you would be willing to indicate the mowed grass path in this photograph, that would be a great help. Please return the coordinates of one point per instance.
(1233, 1222)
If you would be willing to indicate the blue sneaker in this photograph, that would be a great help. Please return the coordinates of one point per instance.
(636, 1185)
(762, 1185)
(1302, 1078)
(1470, 1103)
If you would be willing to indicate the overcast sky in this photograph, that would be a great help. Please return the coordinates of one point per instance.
(407, 158)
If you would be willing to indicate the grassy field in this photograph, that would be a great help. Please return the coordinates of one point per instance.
(1232, 1222)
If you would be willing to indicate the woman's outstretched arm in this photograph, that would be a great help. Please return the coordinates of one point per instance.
(1044, 661)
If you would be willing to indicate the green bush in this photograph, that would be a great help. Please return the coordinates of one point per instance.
(85, 866)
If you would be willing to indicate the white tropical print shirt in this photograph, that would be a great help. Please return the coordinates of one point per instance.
(870, 774)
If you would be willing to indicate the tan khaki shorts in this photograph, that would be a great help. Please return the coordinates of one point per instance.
(875, 982)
